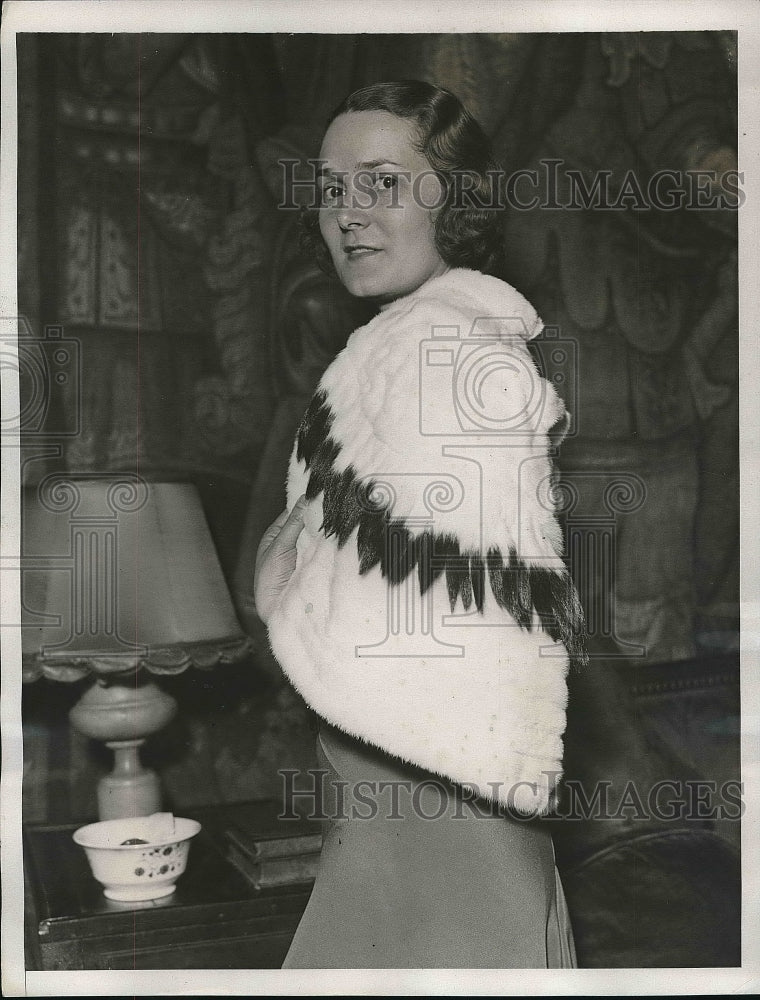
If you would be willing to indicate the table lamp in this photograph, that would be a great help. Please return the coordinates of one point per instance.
(121, 581)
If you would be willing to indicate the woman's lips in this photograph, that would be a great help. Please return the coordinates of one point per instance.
(360, 252)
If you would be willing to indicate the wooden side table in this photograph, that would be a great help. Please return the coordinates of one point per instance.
(214, 920)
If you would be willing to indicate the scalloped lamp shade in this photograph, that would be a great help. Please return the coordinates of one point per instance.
(120, 573)
(120, 579)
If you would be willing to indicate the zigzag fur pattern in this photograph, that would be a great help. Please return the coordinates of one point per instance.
(381, 539)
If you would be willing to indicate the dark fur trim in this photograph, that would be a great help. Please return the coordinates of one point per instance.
(516, 587)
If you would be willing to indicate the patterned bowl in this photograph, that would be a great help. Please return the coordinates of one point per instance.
(138, 858)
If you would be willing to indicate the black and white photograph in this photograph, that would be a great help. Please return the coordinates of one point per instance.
(379, 454)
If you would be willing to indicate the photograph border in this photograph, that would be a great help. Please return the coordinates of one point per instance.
(347, 17)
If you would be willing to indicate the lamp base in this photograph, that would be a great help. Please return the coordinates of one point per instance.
(122, 714)
(130, 789)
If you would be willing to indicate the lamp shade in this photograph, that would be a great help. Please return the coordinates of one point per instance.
(119, 573)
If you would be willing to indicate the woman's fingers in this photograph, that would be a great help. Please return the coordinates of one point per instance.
(276, 558)
(277, 525)
(270, 534)
(292, 526)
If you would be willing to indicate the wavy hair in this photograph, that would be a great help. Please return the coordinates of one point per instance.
(468, 227)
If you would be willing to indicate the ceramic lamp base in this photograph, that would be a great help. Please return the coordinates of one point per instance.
(123, 714)
(130, 789)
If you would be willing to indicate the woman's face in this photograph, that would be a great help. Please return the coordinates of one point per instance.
(379, 199)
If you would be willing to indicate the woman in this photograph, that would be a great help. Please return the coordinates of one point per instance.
(415, 594)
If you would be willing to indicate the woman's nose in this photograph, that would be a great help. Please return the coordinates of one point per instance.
(350, 217)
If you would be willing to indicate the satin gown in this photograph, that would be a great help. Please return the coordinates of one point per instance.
(414, 876)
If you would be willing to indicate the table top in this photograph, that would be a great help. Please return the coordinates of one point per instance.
(69, 902)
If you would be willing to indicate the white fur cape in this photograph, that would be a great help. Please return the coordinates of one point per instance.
(430, 613)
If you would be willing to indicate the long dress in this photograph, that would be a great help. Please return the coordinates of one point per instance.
(421, 877)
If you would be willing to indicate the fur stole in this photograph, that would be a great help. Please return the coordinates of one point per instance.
(430, 612)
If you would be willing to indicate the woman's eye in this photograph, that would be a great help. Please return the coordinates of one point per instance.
(386, 181)
(331, 193)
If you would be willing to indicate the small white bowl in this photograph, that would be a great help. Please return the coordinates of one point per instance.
(131, 872)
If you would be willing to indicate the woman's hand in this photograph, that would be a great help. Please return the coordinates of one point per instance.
(276, 558)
